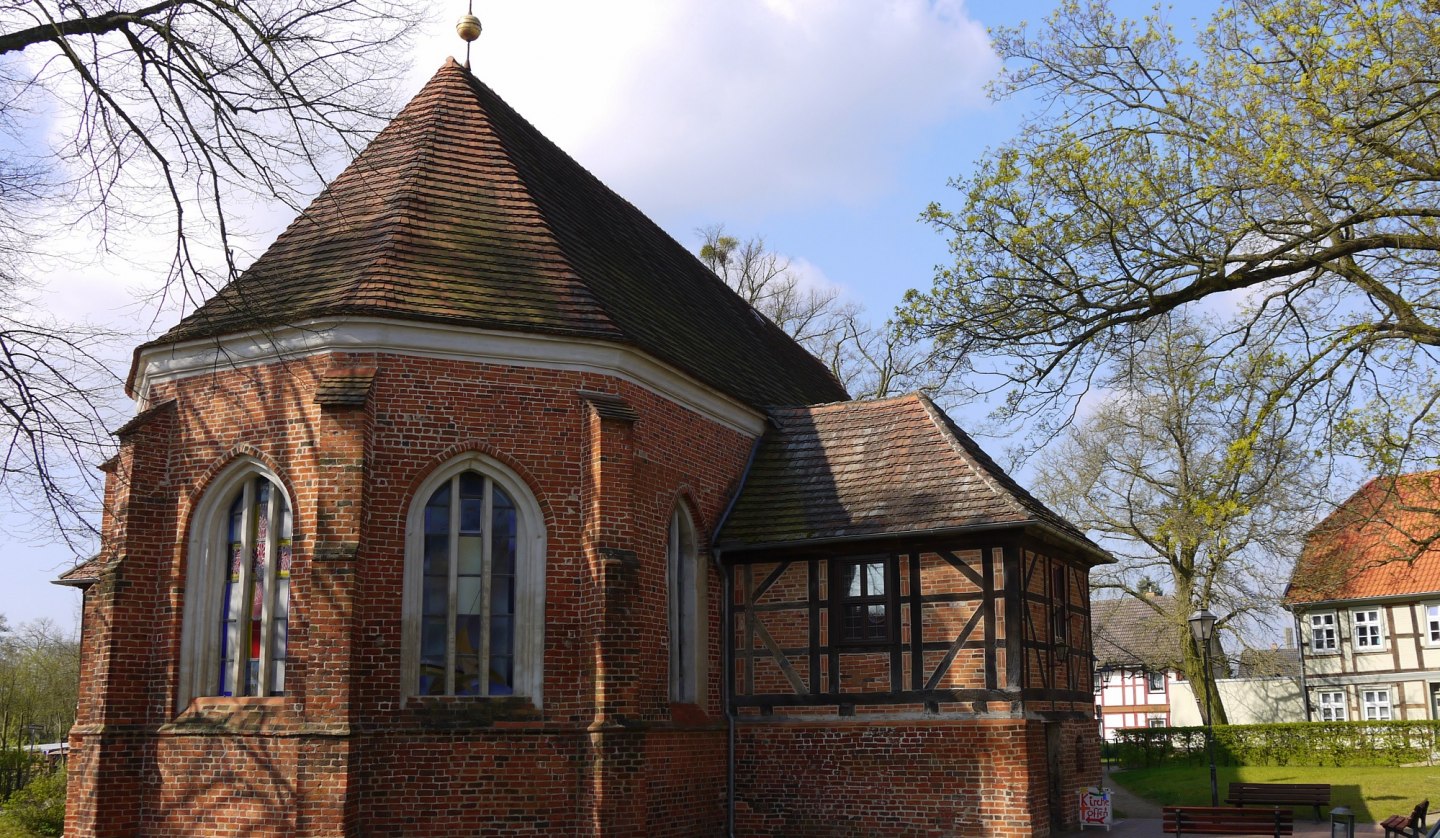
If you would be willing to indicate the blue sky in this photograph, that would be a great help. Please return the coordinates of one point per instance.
(826, 126)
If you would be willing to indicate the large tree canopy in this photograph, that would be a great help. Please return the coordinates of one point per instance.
(1284, 166)
(149, 118)
(1176, 473)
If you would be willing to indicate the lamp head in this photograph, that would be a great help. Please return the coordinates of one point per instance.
(1202, 626)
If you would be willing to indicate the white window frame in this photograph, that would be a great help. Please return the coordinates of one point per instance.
(1324, 624)
(207, 563)
(686, 587)
(1376, 704)
(1150, 678)
(1330, 706)
(530, 560)
(1368, 635)
(1430, 622)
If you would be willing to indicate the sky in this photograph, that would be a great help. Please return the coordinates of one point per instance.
(825, 126)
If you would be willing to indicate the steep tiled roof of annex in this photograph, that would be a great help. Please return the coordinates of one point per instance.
(1128, 632)
(461, 212)
(876, 468)
(1383, 541)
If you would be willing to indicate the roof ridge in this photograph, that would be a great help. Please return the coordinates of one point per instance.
(764, 321)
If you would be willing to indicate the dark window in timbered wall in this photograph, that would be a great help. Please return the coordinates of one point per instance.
(1060, 603)
(860, 602)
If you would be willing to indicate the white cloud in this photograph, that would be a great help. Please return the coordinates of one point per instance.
(773, 104)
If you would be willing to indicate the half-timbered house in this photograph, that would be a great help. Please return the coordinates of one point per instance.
(1365, 593)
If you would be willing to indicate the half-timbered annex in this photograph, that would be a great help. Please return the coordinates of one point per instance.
(894, 594)
(417, 530)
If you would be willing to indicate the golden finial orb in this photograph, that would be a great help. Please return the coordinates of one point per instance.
(468, 27)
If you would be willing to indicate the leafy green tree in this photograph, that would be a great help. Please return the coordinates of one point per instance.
(39, 680)
(1284, 166)
(1190, 482)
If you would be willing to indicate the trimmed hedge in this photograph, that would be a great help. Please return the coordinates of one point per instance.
(1291, 743)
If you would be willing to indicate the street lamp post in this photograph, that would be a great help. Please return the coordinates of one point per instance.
(1202, 628)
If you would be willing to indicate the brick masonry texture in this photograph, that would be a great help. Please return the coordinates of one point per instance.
(339, 754)
(936, 779)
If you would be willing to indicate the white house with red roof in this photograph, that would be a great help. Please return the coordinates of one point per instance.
(1366, 598)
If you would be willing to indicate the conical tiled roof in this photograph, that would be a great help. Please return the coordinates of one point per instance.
(879, 468)
(461, 212)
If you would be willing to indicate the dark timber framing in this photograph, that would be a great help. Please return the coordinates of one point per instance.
(1011, 583)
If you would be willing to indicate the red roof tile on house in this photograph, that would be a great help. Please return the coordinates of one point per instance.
(461, 212)
(877, 468)
(1383, 541)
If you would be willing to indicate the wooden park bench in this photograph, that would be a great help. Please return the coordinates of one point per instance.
(1410, 827)
(1225, 820)
(1280, 794)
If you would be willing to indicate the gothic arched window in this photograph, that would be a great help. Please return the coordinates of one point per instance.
(237, 607)
(474, 584)
(686, 583)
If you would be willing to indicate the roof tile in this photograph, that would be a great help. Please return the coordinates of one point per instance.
(461, 212)
(875, 468)
(1383, 541)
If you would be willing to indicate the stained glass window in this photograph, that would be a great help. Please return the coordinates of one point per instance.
(468, 598)
(256, 601)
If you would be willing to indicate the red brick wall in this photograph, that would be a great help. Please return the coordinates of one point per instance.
(917, 778)
(936, 777)
(339, 755)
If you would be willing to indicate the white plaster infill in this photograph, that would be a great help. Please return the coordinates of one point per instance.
(173, 362)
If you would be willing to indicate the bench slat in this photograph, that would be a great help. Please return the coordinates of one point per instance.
(1220, 820)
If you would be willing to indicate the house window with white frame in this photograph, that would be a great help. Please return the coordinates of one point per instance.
(1331, 704)
(1375, 705)
(1323, 637)
(237, 603)
(686, 577)
(1368, 633)
(1432, 623)
(1155, 682)
(474, 585)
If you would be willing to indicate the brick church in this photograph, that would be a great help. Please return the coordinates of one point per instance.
(479, 506)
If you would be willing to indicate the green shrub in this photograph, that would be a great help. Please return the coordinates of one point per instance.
(40, 806)
(1292, 743)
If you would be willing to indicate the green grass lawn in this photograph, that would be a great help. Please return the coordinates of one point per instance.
(1373, 793)
(10, 829)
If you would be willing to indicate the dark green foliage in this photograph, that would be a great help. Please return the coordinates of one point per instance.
(40, 806)
(1293, 743)
(15, 767)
